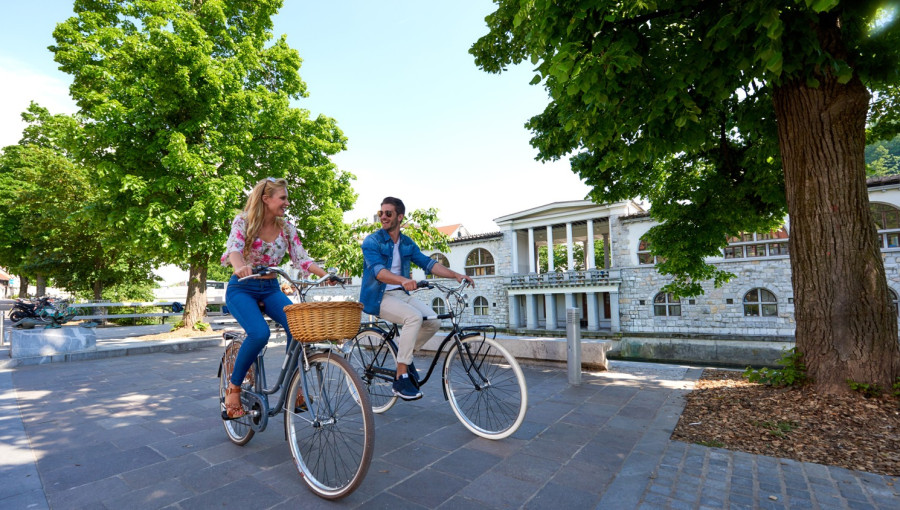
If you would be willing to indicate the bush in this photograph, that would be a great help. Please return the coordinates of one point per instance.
(793, 373)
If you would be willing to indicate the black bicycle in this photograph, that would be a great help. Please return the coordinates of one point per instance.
(331, 433)
(482, 381)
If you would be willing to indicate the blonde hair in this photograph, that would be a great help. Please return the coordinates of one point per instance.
(255, 210)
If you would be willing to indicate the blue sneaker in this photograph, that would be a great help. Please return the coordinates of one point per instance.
(406, 389)
(413, 374)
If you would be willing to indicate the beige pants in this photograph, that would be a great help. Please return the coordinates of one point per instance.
(407, 311)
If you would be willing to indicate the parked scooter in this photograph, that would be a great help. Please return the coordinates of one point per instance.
(50, 311)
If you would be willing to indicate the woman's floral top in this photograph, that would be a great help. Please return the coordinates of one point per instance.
(267, 254)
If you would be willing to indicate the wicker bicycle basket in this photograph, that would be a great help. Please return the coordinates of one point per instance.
(326, 320)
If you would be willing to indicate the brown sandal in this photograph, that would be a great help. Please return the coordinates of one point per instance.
(233, 411)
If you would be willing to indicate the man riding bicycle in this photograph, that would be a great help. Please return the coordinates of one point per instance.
(385, 290)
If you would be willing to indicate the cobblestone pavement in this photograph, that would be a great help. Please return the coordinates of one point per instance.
(144, 432)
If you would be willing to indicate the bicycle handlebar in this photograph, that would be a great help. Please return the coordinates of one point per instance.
(302, 285)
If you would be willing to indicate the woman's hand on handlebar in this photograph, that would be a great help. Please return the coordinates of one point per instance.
(243, 271)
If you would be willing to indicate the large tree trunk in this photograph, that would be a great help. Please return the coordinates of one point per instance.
(846, 328)
(195, 308)
(98, 290)
(23, 287)
(40, 285)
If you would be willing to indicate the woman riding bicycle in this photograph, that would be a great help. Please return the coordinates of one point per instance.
(260, 236)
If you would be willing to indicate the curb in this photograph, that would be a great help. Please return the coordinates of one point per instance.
(114, 351)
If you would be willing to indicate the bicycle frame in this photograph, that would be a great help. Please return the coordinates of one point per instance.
(456, 334)
(260, 394)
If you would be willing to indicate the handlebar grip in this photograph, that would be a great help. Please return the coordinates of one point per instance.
(423, 284)
(261, 270)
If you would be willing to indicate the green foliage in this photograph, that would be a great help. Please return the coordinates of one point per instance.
(868, 390)
(674, 103)
(189, 104)
(793, 372)
(47, 223)
(883, 158)
(198, 326)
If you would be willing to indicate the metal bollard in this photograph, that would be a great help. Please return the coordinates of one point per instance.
(573, 345)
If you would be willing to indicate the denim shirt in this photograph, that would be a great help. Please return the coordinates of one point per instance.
(378, 254)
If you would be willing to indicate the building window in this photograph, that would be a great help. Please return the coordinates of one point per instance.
(481, 306)
(892, 297)
(666, 305)
(753, 245)
(480, 262)
(887, 221)
(760, 303)
(440, 259)
(644, 255)
(437, 304)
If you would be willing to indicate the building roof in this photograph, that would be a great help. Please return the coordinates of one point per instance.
(476, 237)
(448, 230)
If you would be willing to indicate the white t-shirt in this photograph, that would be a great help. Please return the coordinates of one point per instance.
(396, 266)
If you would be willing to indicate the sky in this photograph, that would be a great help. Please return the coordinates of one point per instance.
(423, 122)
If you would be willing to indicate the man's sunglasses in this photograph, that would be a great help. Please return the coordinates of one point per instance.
(389, 214)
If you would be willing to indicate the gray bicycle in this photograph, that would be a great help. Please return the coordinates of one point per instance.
(331, 433)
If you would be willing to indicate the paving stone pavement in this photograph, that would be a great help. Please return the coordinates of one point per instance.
(144, 432)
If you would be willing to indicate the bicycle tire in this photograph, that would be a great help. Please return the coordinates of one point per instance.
(238, 431)
(496, 408)
(368, 354)
(333, 439)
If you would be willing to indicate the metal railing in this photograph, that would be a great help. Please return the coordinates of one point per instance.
(562, 279)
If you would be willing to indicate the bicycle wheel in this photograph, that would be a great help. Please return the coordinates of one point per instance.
(486, 387)
(239, 430)
(375, 361)
(333, 439)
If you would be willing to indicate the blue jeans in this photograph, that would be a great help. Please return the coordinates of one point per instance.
(242, 299)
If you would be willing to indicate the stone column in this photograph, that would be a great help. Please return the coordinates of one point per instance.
(514, 262)
(569, 247)
(531, 315)
(589, 255)
(515, 318)
(550, 305)
(607, 247)
(550, 267)
(615, 324)
(593, 319)
(531, 257)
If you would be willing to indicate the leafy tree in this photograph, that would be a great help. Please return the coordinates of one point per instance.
(48, 202)
(726, 116)
(883, 158)
(189, 106)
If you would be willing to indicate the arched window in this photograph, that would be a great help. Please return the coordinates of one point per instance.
(481, 306)
(760, 303)
(643, 253)
(440, 259)
(437, 304)
(887, 221)
(666, 305)
(479, 262)
(892, 297)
